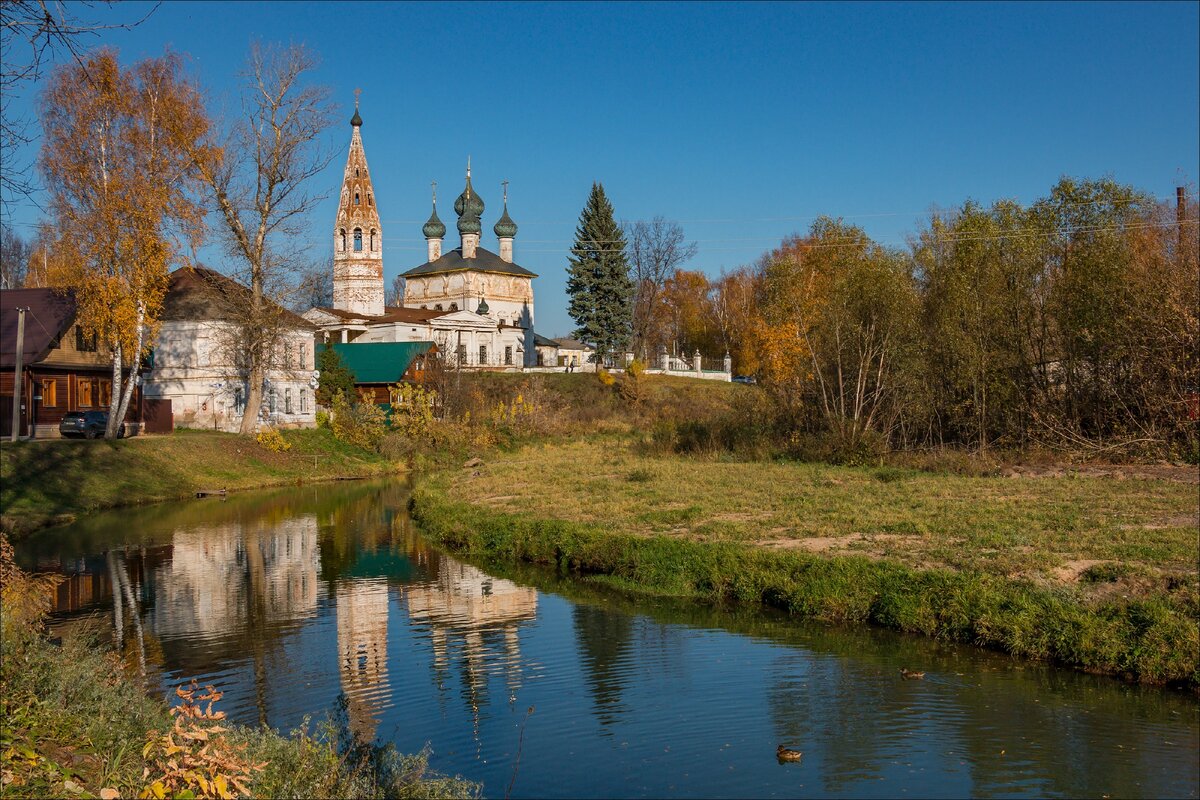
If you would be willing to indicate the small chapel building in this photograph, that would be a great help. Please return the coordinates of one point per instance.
(474, 304)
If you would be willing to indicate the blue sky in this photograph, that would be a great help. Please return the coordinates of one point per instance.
(741, 121)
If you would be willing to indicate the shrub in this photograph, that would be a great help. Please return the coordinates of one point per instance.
(411, 409)
(362, 424)
(271, 439)
(322, 418)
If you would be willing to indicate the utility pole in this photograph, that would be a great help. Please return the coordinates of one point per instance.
(17, 376)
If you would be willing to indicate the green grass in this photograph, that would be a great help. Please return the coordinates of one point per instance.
(69, 714)
(990, 561)
(52, 481)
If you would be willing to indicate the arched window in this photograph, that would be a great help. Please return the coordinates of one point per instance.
(374, 247)
(342, 240)
(303, 401)
(356, 198)
(370, 199)
(454, 306)
(287, 401)
(358, 240)
(437, 307)
(356, 172)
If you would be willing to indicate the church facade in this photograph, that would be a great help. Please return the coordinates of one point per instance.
(476, 305)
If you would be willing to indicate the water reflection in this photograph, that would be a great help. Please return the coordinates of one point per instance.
(289, 600)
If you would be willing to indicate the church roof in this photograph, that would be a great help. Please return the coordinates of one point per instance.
(390, 314)
(484, 261)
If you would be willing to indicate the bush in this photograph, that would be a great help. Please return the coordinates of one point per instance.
(322, 418)
(362, 424)
(271, 439)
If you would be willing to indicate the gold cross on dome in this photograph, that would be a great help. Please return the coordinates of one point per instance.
(357, 92)
(434, 185)
(505, 185)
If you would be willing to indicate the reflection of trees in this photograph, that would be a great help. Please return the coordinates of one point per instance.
(604, 643)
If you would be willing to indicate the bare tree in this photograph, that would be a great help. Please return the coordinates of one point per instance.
(656, 249)
(314, 286)
(258, 182)
(33, 33)
(396, 295)
(14, 257)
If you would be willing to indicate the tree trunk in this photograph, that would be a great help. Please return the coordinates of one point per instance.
(254, 400)
(126, 391)
(114, 397)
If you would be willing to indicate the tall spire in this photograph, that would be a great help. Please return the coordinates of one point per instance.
(357, 234)
(469, 207)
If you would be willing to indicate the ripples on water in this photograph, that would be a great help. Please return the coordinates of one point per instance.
(291, 600)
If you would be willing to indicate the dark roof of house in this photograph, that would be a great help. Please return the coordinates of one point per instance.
(542, 341)
(379, 362)
(573, 344)
(51, 312)
(484, 261)
(195, 293)
(391, 314)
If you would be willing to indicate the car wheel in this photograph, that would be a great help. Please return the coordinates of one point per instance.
(90, 435)
(121, 432)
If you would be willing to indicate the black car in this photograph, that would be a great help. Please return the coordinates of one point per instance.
(88, 424)
(744, 379)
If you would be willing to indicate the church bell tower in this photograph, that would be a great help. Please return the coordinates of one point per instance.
(357, 235)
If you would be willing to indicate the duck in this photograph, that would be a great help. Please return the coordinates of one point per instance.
(784, 754)
(911, 675)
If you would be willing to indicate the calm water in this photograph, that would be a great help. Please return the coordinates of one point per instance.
(287, 600)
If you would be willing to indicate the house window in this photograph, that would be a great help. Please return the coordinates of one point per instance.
(105, 394)
(287, 401)
(303, 356)
(83, 342)
(541, 358)
(462, 354)
(271, 404)
(303, 401)
(508, 356)
(85, 393)
(358, 240)
(239, 400)
(483, 354)
(49, 393)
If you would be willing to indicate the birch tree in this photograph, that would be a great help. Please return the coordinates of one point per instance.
(656, 249)
(258, 184)
(115, 159)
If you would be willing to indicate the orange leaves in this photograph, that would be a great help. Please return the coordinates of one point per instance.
(193, 759)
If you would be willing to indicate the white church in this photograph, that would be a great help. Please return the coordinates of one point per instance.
(476, 305)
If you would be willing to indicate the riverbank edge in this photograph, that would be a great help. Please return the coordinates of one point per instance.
(75, 723)
(1151, 640)
(245, 472)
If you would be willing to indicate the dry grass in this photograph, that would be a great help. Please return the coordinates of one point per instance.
(1038, 528)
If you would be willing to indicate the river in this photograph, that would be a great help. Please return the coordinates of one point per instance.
(298, 601)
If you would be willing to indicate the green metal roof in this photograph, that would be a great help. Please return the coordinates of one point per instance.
(379, 362)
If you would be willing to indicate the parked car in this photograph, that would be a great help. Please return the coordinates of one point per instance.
(744, 379)
(88, 424)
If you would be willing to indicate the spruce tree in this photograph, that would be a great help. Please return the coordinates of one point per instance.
(598, 280)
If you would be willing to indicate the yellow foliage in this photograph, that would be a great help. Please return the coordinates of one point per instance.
(604, 376)
(271, 439)
(24, 598)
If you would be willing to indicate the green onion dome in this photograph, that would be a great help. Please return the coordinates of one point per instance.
(505, 228)
(469, 203)
(356, 120)
(434, 228)
(482, 308)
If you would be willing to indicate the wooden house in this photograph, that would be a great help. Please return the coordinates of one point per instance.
(62, 369)
(377, 366)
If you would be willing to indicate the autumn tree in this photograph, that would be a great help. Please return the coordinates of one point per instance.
(258, 181)
(687, 314)
(33, 34)
(655, 250)
(733, 299)
(598, 282)
(115, 159)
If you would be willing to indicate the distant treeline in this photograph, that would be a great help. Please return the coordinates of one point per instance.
(1069, 323)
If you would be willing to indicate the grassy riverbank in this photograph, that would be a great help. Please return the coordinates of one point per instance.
(73, 725)
(51, 482)
(1096, 573)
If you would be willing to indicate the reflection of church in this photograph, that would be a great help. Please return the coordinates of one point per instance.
(362, 620)
(476, 305)
(469, 612)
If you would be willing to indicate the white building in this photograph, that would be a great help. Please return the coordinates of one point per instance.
(195, 360)
(475, 304)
